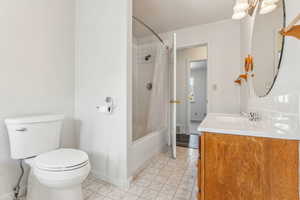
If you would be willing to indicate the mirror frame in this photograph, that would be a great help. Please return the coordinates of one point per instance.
(281, 54)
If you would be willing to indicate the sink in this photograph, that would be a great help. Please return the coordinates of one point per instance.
(230, 119)
(239, 125)
(227, 118)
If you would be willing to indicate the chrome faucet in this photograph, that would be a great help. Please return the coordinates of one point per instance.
(252, 116)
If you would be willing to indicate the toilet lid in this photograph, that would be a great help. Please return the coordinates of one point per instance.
(61, 159)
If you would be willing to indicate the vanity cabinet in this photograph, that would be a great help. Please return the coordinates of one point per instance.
(233, 167)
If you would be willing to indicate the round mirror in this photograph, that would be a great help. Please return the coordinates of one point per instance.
(267, 48)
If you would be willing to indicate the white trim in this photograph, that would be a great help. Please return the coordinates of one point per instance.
(122, 183)
(187, 94)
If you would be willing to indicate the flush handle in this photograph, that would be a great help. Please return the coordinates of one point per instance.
(21, 129)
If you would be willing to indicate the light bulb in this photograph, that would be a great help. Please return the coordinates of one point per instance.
(267, 8)
(270, 1)
(239, 15)
(241, 7)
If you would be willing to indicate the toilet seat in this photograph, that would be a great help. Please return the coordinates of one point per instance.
(61, 168)
(61, 160)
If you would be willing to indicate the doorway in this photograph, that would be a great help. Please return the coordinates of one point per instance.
(197, 104)
(192, 94)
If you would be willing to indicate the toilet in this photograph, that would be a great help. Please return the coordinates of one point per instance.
(55, 173)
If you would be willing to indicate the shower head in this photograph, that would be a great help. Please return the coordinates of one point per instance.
(148, 57)
(149, 86)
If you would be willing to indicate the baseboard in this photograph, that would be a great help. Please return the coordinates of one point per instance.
(126, 183)
(10, 196)
(122, 183)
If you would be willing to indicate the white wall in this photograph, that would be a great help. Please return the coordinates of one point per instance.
(102, 56)
(37, 69)
(223, 40)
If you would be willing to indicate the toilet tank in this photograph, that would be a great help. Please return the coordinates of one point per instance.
(33, 135)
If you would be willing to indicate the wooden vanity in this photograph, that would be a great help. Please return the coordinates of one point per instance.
(234, 167)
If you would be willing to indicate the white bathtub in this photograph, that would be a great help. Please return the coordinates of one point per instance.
(142, 150)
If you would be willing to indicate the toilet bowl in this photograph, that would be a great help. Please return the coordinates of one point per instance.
(57, 175)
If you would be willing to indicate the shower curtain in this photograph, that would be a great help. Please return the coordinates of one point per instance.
(158, 107)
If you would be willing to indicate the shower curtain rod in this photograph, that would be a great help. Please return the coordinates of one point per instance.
(150, 29)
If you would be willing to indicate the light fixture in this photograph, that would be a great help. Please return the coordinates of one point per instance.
(243, 8)
(240, 9)
(239, 15)
(270, 1)
(268, 6)
(267, 9)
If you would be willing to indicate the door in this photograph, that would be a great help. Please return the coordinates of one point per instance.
(173, 100)
(196, 95)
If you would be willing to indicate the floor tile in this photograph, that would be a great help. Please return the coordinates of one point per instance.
(96, 196)
(136, 190)
(131, 197)
(163, 179)
(149, 194)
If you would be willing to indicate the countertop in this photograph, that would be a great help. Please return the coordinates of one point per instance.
(235, 124)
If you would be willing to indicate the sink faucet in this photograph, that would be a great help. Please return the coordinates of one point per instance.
(252, 116)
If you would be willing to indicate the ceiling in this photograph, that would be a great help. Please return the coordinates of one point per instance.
(168, 15)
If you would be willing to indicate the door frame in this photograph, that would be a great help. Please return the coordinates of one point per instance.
(187, 91)
(173, 97)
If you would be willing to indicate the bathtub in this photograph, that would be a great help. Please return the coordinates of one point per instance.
(142, 150)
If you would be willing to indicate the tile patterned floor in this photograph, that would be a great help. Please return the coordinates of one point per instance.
(163, 179)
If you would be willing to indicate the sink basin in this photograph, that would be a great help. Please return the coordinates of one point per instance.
(230, 119)
(239, 125)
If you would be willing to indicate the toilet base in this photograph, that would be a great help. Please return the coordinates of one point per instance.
(37, 191)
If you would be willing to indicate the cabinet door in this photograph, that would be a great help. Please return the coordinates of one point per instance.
(249, 168)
